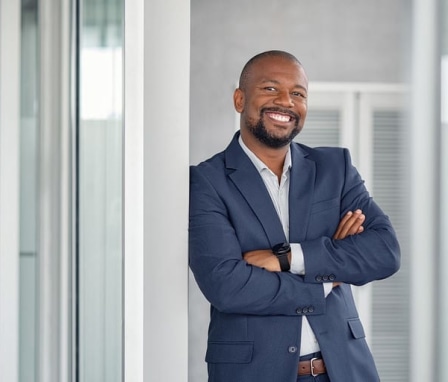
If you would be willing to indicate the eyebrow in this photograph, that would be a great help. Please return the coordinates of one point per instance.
(277, 83)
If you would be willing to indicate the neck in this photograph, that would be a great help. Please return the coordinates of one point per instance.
(273, 158)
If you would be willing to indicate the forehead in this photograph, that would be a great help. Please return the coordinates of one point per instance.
(277, 69)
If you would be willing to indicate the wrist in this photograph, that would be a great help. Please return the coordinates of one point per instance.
(283, 253)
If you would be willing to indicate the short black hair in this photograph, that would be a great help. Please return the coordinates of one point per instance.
(270, 53)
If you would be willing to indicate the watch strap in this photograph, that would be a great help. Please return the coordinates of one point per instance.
(281, 250)
(284, 263)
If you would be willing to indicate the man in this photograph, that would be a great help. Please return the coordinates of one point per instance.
(278, 232)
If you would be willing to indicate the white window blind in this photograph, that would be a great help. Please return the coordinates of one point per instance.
(322, 128)
(369, 120)
(390, 297)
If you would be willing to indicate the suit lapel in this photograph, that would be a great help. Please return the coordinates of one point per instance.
(301, 191)
(246, 178)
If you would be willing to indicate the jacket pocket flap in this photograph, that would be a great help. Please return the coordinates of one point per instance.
(229, 352)
(356, 328)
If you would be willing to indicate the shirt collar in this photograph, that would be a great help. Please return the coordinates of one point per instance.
(259, 164)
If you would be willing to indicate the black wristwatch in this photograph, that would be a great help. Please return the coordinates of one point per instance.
(281, 251)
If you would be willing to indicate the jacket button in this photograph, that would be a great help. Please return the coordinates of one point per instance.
(299, 311)
(292, 349)
(305, 310)
(332, 277)
(319, 278)
(311, 309)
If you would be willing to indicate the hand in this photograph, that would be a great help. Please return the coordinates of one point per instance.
(351, 224)
(264, 258)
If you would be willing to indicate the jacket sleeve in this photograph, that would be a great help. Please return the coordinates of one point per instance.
(358, 259)
(229, 283)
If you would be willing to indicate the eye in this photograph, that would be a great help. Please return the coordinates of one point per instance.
(269, 88)
(299, 94)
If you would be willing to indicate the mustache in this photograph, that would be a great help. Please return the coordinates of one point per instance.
(280, 110)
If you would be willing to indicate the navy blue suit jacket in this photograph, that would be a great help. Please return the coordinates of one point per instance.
(256, 315)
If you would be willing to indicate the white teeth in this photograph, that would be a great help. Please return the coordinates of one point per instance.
(280, 117)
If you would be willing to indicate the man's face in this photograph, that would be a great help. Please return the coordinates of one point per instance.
(273, 103)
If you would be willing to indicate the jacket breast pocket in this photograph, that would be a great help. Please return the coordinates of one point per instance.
(229, 352)
(356, 328)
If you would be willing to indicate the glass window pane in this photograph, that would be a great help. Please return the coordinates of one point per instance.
(100, 191)
(28, 191)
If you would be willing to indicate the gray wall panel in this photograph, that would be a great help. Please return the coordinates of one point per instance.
(343, 41)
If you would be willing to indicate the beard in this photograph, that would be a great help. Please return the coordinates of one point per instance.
(260, 132)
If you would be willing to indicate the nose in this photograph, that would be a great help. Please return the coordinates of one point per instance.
(284, 99)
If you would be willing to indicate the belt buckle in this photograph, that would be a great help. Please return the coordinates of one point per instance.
(312, 367)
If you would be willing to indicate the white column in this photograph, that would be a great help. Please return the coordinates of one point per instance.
(166, 175)
(166, 147)
(443, 269)
(9, 187)
(425, 171)
(133, 212)
(156, 161)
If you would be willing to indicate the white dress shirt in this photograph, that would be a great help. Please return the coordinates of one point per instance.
(280, 198)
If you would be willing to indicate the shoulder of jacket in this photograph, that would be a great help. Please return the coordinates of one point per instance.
(320, 150)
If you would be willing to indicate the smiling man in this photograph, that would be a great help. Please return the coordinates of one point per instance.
(278, 233)
(272, 92)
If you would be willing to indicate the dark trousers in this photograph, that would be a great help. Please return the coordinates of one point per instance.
(310, 378)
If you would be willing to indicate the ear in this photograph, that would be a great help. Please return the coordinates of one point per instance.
(238, 100)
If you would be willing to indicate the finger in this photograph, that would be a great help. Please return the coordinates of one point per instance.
(344, 220)
(345, 228)
(351, 225)
(356, 225)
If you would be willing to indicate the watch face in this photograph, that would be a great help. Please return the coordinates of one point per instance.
(281, 249)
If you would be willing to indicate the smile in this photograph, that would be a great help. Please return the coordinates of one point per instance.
(279, 117)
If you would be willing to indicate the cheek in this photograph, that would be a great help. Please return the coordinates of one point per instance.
(251, 110)
(303, 106)
(251, 120)
(302, 110)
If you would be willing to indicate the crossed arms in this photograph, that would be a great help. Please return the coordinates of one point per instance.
(223, 227)
(350, 224)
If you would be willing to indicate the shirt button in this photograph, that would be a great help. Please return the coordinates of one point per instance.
(292, 349)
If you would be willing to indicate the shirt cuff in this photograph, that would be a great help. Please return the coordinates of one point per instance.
(328, 287)
(297, 259)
